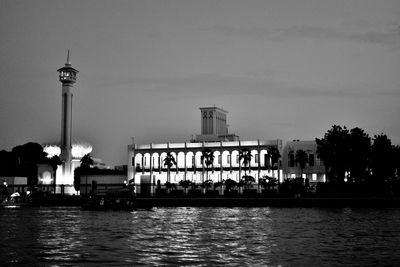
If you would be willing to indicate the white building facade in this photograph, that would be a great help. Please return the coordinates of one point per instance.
(147, 160)
(314, 169)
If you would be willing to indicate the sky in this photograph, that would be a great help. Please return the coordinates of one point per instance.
(282, 69)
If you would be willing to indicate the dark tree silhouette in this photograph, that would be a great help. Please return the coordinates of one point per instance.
(26, 158)
(84, 169)
(54, 162)
(207, 159)
(169, 161)
(185, 184)
(245, 157)
(396, 157)
(273, 156)
(360, 148)
(7, 163)
(382, 160)
(87, 161)
(267, 182)
(230, 184)
(207, 184)
(334, 151)
(302, 160)
(247, 181)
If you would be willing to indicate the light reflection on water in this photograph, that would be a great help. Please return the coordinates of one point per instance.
(201, 237)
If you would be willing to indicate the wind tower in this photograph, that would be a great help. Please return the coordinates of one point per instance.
(67, 77)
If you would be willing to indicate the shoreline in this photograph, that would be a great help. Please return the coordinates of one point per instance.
(322, 202)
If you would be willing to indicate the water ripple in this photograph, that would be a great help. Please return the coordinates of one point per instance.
(200, 237)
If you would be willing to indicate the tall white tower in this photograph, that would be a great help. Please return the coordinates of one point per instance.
(67, 75)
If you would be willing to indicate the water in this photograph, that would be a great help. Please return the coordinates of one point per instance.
(200, 237)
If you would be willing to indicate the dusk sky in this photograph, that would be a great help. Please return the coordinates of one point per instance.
(282, 69)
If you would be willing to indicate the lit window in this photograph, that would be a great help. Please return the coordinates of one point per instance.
(314, 176)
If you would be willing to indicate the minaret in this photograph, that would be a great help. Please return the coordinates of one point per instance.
(67, 78)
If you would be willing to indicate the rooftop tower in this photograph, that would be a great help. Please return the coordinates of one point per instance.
(213, 126)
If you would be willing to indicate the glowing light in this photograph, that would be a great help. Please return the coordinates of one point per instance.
(78, 150)
(46, 178)
(52, 150)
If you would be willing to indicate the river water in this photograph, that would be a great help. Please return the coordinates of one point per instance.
(200, 237)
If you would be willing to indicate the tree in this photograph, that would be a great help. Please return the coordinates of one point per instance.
(334, 151)
(245, 157)
(207, 184)
(26, 158)
(273, 156)
(396, 157)
(169, 161)
(230, 184)
(267, 182)
(248, 181)
(360, 148)
(207, 158)
(382, 162)
(84, 169)
(185, 184)
(54, 162)
(87, 161)
(301, 159)
(7, 163)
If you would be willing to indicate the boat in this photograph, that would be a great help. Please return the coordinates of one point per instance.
(120, 199)
(16, 200)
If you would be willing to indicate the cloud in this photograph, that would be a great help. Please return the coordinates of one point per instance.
(389, 37)
(222, 85)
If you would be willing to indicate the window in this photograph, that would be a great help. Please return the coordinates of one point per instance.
(256, 158)
(318, 162)
(229, 159)
(219, 159)
(314, 176)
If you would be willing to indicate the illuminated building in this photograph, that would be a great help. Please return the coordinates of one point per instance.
(314, 169)
(147, 160)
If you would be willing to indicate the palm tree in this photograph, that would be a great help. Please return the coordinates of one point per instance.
(87, 161)
(54, 162)
(245, 156)
(207, 158)
(86, 164)
(229, 184)
(301, 159)
(185, 184)
(273, 155)
(207, 184)
(169, 161)
(248, 180)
